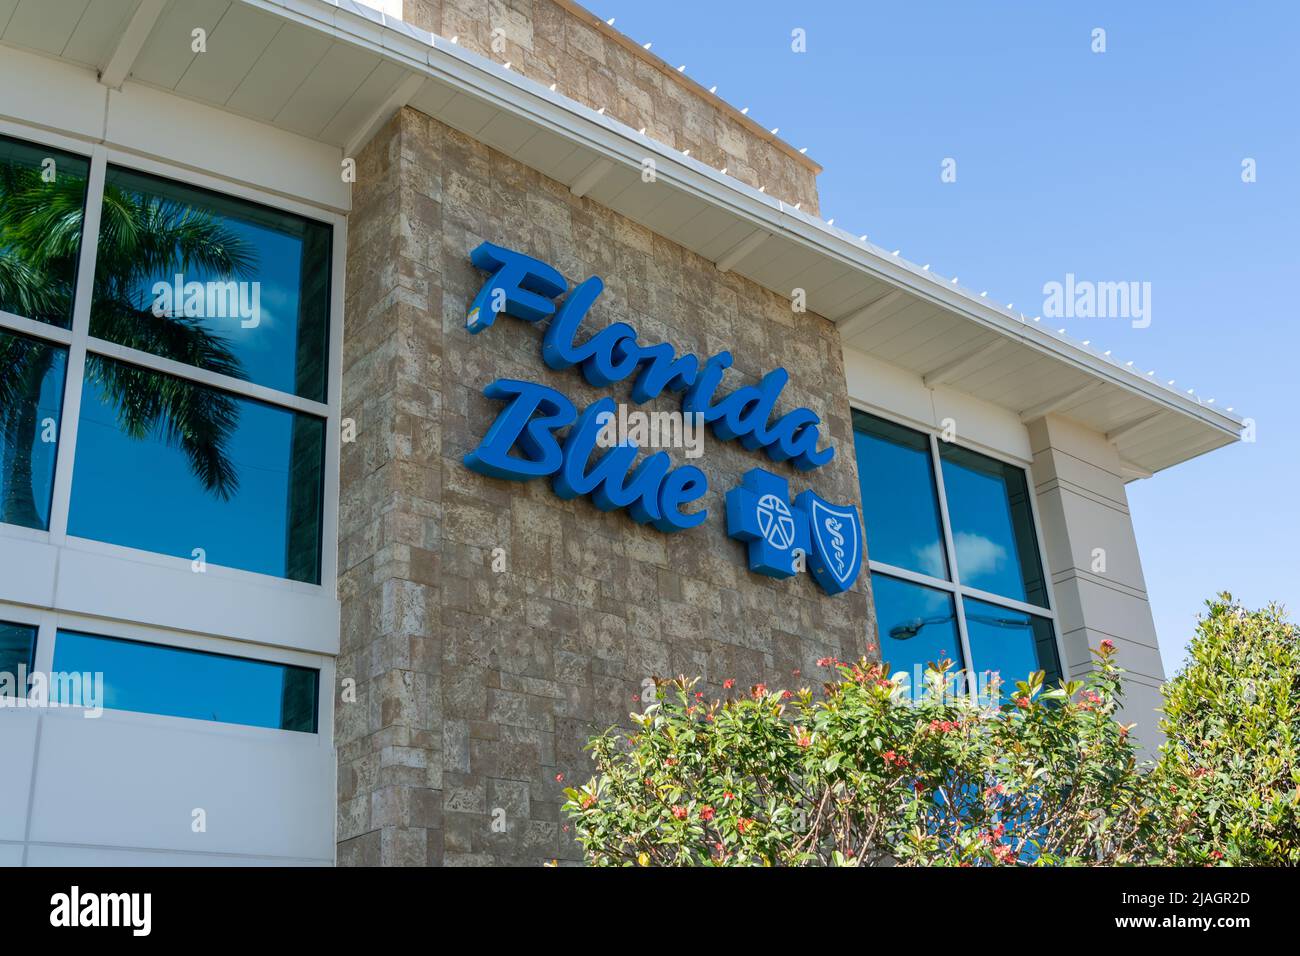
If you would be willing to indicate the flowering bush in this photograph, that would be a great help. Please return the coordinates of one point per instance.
(861, 775)
(1228, 780)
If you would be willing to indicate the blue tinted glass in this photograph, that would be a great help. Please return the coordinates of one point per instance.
(253, 282)
(153, 679)
(31, 401)
(917, 626)
(17, 650)
(1013, 643)
(992, 525)
(169, 466)
(42, 205)
(899, 503)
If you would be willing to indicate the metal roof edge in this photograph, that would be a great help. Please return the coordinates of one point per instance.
(481, 77)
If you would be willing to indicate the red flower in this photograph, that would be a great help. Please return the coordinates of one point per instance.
(1022, 702)
(670, 762)
(680, 812)
(795, 672)
(805, 741)
(759, 690)
(786, 695)
(1108, 645)
(559, 778)
(699, 695)
(826, 662)
(744, 823)
(706, 813)
(728, 795)
(729, 683)
(892, 759)
(1215, 854)
(588, 800)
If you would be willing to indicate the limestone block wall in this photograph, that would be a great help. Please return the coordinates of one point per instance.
(474, 689)
(558, 41)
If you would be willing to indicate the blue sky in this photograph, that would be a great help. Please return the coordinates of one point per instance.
(1124, 165)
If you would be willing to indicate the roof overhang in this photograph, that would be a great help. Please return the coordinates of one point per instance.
(335, 71)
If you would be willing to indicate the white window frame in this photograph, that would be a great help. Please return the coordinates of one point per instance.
(954, 588)
(78, 342)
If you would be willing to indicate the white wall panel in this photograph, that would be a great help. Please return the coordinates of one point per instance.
(133, 781)
(17, 748)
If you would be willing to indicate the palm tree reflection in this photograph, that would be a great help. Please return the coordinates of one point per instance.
(142, 237)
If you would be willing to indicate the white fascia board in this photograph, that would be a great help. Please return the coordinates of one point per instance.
(514, 93)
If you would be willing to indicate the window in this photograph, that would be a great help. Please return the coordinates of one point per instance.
(42, 201)
(17, 656)
(200, 406)
(899, 503)
(955, 565)
(175, 682)
(992, 525)
(212, 281)
(31, 400)
(240, 486)
(916, 624)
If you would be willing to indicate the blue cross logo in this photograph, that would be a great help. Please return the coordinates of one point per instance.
(759, 512)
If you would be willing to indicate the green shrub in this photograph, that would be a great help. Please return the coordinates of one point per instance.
(1228, 782)
(860, 774)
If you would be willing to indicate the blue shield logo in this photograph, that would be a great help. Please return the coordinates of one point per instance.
(835, 533)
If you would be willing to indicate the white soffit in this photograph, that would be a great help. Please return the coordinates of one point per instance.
(335, 70)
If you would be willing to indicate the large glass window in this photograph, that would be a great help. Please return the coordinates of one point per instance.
(176, 682)
(992, 525)
(17, 656)
(212, 281)
(899, 504)
(917, 625)
(202, 408)
(31, 403)
(1011, 643)
(988, 606)
(178, 468)
(42, 205)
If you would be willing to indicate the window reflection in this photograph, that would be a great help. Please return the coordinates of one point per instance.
(1012, 643)
(42, 204)
(900, 505)
(31, 399)
(216, 282)
(17, 655)
(917, 626)
(992, 525)
(177, 682)
(170, 466)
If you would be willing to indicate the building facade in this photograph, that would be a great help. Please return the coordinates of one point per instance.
(286, 275)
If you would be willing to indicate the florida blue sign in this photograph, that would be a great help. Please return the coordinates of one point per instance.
(524, 442)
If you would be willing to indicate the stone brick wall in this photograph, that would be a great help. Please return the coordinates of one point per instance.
(474, 688)
(557, 41)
